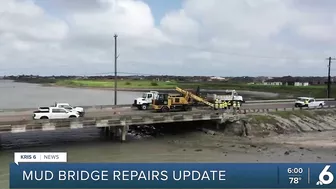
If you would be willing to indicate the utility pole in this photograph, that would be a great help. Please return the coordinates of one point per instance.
(115, 68)
(329, 78)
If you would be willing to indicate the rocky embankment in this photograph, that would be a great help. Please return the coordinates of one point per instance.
(282, 122)
(298, 136)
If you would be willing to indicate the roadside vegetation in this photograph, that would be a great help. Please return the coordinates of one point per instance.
(318, 91)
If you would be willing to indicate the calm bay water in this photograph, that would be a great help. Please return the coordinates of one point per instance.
(23, 95)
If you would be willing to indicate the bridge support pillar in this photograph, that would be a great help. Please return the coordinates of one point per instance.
(107, 133)
(103, 133)
(111, 133)
(116, 133)
(124, 131)
(218, 123)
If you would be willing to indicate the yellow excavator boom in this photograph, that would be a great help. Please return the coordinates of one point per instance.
(195, 97)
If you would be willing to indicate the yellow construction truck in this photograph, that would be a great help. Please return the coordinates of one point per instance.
(165, 102)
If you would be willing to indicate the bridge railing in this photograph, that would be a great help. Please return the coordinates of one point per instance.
(284, 100)
(122, 120)
(103, 107)
(265, 110)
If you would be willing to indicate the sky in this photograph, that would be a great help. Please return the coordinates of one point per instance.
(168, 37)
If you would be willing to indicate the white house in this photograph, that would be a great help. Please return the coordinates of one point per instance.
(272, 83)
(301, 83)
(217, 78)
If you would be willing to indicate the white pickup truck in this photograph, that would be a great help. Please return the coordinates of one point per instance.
(54, 113)
(68, 107)
(143, 102)
(312, 103)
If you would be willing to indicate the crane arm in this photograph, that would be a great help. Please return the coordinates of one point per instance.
(195, 97)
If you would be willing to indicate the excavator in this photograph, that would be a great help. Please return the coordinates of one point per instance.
(177, 102)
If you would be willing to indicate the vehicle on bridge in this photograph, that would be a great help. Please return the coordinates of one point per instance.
(312, 103)
(146, 100)
(184, 101)
(54, 113)
(68, 107)
(171, 102)
(229, 95)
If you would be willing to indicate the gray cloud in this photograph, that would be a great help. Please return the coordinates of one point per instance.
(213, 37)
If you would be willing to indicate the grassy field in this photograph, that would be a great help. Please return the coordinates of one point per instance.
(126, 84)
(314, 91)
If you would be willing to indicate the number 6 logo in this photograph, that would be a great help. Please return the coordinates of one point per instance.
(325, 173)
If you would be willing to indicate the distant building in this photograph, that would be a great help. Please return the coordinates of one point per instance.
(301, 83)
(297, 81)
(217, 78)
(273, 83)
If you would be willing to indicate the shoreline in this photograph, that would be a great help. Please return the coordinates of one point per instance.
(258, 90)
(218, 91)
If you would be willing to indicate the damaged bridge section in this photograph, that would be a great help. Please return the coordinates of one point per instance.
(118, 126)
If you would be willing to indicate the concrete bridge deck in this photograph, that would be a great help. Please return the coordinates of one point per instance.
(118, 125)
(109, 110)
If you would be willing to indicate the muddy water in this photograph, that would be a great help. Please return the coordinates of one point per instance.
(194, 146)
(24, 95)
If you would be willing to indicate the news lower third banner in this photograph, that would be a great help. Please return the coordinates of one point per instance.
(171, 175)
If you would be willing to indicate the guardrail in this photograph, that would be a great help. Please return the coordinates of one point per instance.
(145, 119)
(101, 107)
(265, 110)
(283, 100)
(85, 107)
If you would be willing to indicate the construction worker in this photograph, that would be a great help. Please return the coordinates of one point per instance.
(238, 105)
(229, 104)
(225, 105)
(234, 105)
(216, 104)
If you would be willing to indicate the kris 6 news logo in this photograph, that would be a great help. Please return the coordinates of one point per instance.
(325, 177)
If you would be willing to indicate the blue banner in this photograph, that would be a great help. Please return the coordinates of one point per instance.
(172, 175)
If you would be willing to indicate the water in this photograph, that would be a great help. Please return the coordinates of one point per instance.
(23, 95)
(85, 145)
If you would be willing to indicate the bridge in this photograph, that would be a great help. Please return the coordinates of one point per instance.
(117, 125)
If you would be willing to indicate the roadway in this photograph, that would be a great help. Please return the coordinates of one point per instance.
(90, 113)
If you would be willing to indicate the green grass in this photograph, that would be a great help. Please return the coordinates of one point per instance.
(138, 84)
(313, 91)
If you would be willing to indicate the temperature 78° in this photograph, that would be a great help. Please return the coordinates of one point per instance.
(294, 180)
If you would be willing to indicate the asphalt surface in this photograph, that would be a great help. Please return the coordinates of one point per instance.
(27, 115)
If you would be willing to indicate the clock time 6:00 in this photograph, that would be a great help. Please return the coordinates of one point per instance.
(295, 170)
